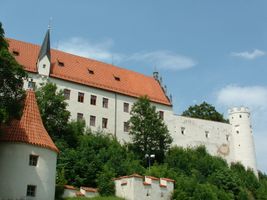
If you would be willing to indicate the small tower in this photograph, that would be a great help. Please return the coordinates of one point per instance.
(242, 138)
(44, 57)
(28, 157)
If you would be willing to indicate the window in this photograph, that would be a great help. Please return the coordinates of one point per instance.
(207, 134)
(33, 159)
(240, 116)
(31, 84)
(80, 97)
(104, 122)
(67, 93)
(126, 107)
(126, 126)
(93, 100)
(161, 115)
(237, 132)
(60, 63)
(117, 78)
(105, 103)
(31, 190)
(79, 116)
(15, 53)
(227, 137)
(91, 71)
(182, 130)
(92, 120)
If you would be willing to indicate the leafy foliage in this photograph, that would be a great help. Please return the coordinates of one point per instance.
(11, 82)
(149, 133)
(53, 109)
(204, 111)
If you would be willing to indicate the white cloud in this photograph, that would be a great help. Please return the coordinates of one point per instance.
(254, 97)
(96, 50)
(164, 59)
(249, 55)
(102, 50)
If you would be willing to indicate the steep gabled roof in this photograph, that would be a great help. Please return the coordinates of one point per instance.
(29, 129)
(91, 72)
(45, 48)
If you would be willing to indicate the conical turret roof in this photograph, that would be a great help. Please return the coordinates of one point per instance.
(29, 129)
(45, 48)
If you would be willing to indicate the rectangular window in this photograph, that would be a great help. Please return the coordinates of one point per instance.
(104, 122)
(33, 160)
(126, 126)
(31, 85)
(31, 191)
(105, 103)
(79, 116)
(161, 115)
(126, 107)
(80, 97)
(67, 94)
(93, 100)
(92, 120)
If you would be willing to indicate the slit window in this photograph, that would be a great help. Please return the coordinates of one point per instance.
(92, 120)
(182, 130)
(161, 115)
(33, 160)
(32, 85)
(93, 100)
(67, 94)
(227, 137)
(80, 97)
(126, 126)
(105, 103)
(207, 134)
(31, 191)
(104, 122)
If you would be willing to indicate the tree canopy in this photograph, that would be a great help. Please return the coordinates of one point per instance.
(11, 82)
(204, 111)
(149, 133)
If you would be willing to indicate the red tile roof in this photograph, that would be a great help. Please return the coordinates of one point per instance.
(30, 128)
(70, 187)
(76, 68)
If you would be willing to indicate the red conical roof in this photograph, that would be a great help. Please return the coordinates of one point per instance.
(30, 128)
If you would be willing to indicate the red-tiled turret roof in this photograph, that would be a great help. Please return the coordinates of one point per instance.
(30, 128)
(102, 76)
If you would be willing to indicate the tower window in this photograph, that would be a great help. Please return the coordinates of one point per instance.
(237, 132)
(67, 93)
(240, 116)
(93, 100)
(182, 130)
(104, 122)
(227, 137)
(92, 120)
(31, 190)
(126, 107)
(80, 97)
(33, 160)
(105, 103)
(207, 134)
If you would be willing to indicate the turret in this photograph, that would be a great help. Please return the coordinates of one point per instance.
(242, 138)
(44, 57)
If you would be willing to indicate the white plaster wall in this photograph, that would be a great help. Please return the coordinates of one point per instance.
(44, 66)
(16, 173)
(195, 132)
(243, 142)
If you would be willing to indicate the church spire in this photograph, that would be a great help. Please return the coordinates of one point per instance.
(45, 48)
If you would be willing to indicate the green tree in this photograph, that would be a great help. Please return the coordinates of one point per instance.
(149, 133)
(53, 109)
(11, 82)
(204, 111)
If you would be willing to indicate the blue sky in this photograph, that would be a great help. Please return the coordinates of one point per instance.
(214, 51)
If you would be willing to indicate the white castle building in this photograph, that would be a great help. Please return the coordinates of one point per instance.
(102, 94)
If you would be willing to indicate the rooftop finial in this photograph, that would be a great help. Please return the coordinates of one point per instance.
(49, 24)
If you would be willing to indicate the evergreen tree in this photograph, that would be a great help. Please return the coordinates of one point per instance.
(11, 82)
(149, 133)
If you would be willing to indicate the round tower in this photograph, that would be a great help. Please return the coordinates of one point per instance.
(242, 138)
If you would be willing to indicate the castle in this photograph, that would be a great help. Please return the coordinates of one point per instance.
(102, 95)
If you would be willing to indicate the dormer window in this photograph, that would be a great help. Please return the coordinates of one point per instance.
(117, 78)
(60, 63)
(15, 53)
(91, 71)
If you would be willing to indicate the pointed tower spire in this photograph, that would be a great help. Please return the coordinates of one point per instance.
(44, 57)
(45, 48)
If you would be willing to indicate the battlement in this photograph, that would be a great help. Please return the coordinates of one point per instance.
(238, 110)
